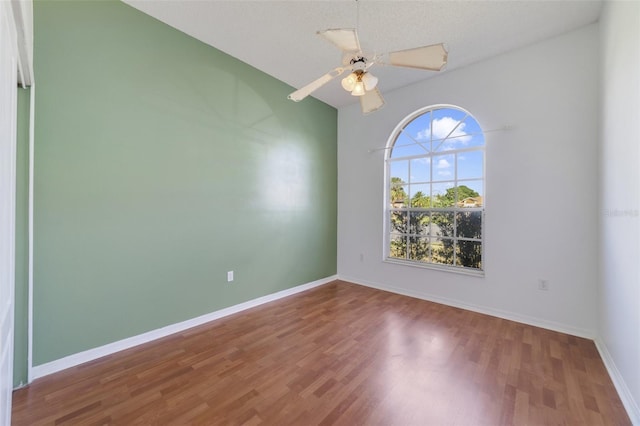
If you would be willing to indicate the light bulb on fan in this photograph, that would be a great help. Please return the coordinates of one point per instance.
(358, 89)
(349, 82)
(370, 81)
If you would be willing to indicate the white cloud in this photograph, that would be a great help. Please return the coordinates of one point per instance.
(422, 160)
(443, 164)
(441, 129)
(444, 173)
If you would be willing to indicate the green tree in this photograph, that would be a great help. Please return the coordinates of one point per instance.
(398, 218)
(397, 193)
(449, 199)
(419, 228)
(466, 225)
(409, 229)
(420, 200)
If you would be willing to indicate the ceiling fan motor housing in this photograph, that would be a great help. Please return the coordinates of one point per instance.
(358, 63)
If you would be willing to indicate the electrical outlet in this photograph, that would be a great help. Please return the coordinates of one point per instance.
(543, 284)
(229, 276)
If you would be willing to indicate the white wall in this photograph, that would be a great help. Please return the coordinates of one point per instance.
(541, 188)
(619, 291)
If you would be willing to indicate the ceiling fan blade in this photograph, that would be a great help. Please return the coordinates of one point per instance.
(371, 101)
(305, 91)
(346, 39)
(432, 57)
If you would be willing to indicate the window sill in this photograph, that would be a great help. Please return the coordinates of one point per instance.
(441, 268)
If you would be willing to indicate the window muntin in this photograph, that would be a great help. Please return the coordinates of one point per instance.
(435, 190)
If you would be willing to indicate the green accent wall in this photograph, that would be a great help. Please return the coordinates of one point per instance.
(161, 163)
(21, 340)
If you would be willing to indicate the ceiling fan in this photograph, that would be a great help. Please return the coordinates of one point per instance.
(360, 82)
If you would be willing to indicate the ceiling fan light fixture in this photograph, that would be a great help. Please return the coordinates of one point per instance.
(370, 81)
(358, 89)
(349, 82)
(359, 82)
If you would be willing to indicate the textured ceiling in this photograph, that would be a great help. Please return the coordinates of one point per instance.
(278, 37)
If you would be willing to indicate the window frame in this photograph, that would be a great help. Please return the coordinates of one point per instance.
(388, 208)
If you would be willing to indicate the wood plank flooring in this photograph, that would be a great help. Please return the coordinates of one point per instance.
(340, 354)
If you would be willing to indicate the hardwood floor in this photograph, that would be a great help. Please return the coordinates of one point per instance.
(338, 354)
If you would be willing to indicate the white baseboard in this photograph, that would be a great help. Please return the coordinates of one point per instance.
(512, 316)
(618, 381)
(110, 348)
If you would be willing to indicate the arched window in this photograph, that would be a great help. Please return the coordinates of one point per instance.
(435, 190)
